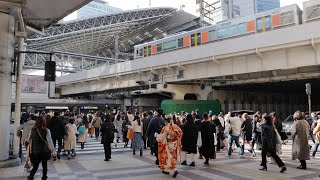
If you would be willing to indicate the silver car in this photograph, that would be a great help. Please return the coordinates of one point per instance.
(286, 124)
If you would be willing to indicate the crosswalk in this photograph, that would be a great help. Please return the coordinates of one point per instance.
(94, 146)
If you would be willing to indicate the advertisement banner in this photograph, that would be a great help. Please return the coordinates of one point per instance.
(33, 84)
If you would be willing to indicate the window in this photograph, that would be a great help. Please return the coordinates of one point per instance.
(313, 12)
(147, 51)
(287, 18)
(268, 22)
(264, 23)
(180, 42)
(227, 31)
(159, 47)
(212, 35)
(169, 45)
(242, 28)
(195, 39)
(140, 52)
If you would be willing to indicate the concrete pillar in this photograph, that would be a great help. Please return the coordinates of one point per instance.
(6, 56)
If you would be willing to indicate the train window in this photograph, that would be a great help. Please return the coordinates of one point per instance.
(227, 31)
(268, 22)
(264, 23)
(242, 28)
(159, 47)
(147, 51)
(140, 52)
(287, 18)
(169, 45)
(312, 12)
(180, 42)
(195, 39)
(212, 35)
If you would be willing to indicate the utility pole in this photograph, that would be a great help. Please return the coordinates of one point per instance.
(308, 92)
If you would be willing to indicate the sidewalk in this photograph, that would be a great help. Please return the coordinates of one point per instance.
(124, 165)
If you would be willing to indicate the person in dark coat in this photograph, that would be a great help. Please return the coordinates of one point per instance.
(154, 128)
(189, 140)
(197, 121)
(149, 143)
(145, 122)
(107, 135)
(125, 129)
(269, 141)
(246, 128)
(220, 133)
(56, 127)
(207, 130)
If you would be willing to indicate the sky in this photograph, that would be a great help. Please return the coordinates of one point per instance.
(189, 4)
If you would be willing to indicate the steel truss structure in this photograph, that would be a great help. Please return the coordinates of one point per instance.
(97, 36)
(67, 62)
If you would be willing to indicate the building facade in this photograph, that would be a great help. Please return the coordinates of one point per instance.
(248, 7)
(266, 5)
(96, 8)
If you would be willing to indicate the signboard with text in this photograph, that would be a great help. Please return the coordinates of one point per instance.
(33, 84)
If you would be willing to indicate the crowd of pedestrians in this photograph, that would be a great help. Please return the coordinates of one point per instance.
(170, 137)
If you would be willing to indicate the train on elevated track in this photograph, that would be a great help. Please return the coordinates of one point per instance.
(258, 23)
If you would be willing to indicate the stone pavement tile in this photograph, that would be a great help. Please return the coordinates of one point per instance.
(209, 175)
(88, 178)
(61, 167)
(76, 166)
(116, 162)
(68, 177)
(127, 175)
(81, 173)
(243, 172)
(146, 170)
(309, 176)
(158, 176)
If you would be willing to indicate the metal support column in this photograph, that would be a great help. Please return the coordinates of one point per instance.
(6, 56)
(16, 139)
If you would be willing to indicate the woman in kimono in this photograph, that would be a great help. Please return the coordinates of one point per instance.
(169, 144)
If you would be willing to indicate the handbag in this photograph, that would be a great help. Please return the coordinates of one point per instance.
(49, 153)
(199, 140)
(130, 134)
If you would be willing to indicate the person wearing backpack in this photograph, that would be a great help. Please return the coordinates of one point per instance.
(154, 128)
(107, 135)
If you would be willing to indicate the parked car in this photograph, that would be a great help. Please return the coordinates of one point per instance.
(286, 124)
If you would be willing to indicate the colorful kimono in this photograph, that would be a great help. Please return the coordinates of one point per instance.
(169, 143)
